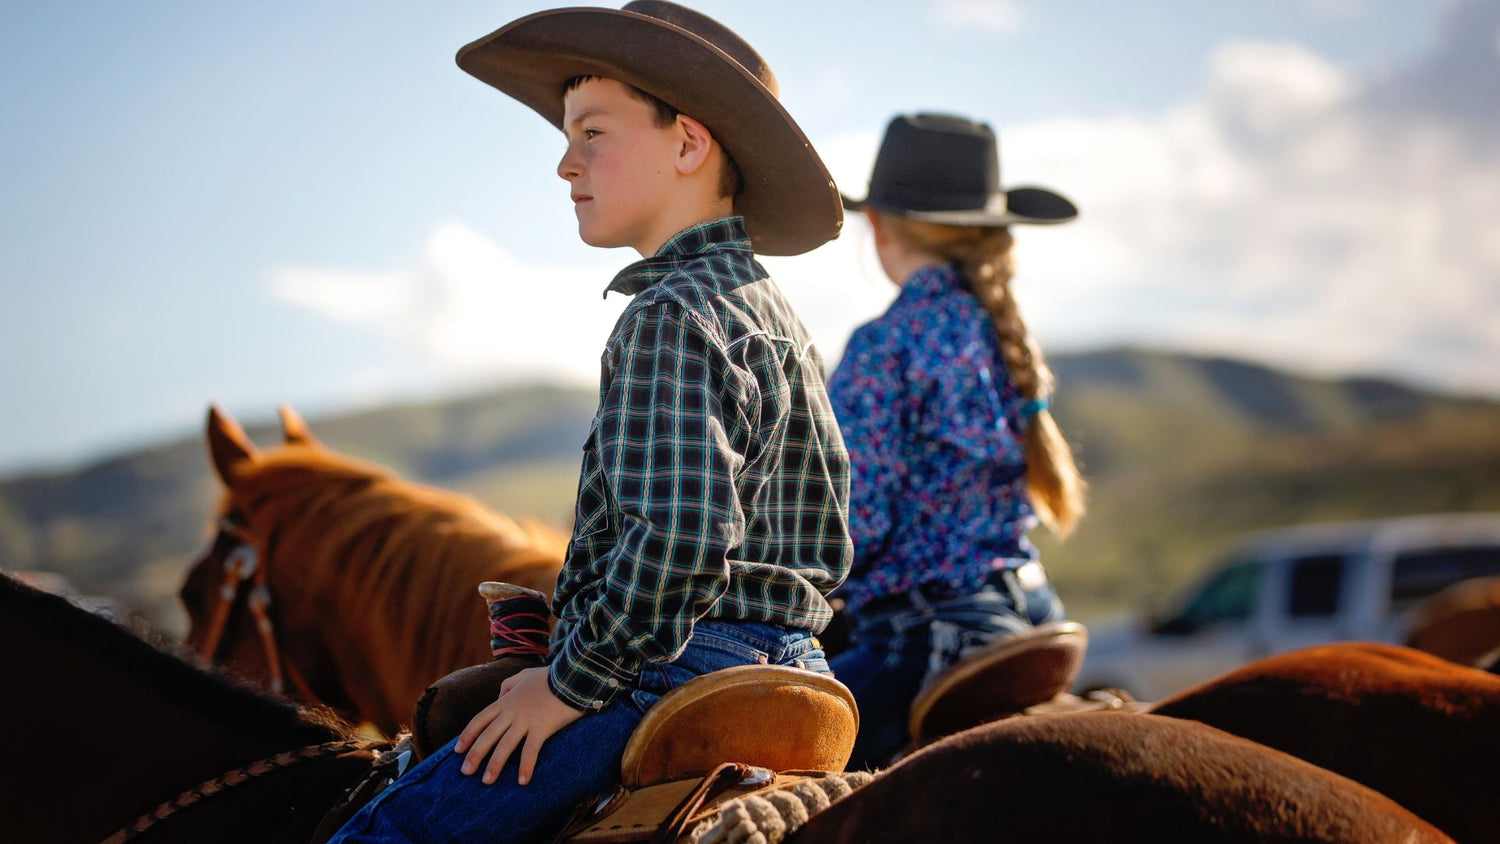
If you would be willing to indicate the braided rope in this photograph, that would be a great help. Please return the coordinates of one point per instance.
(769, 817)
(238, 776)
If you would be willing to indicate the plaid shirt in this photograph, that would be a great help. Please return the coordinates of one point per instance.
(715, 482)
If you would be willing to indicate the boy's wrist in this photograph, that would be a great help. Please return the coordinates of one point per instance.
(583, 679)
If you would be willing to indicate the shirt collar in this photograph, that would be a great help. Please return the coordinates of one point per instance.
(931, 281)
(722, 234)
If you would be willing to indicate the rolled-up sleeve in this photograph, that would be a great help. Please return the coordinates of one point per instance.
(665, 444)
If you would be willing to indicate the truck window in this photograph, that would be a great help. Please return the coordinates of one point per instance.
(1315, 585)
(1229, 596)
(1421, 572)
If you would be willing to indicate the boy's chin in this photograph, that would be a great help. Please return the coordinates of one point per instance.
(601, 240)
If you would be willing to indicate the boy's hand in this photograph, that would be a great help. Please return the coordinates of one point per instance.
(526, 710)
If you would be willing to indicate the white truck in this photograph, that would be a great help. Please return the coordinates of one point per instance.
(1291, 588)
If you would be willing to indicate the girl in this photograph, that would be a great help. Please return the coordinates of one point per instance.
(942, 402)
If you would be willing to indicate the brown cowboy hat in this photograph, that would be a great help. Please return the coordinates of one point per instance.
(698, 66)
(939, 168)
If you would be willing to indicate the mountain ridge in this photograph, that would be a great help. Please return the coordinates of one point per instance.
(1183, 453)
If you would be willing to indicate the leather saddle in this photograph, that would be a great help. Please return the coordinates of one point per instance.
(997, 681)
(727, 734)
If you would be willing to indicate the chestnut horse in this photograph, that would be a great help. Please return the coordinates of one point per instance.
(1423, 731)
(1461, 624)
(366, 582)
(1113, 777)
(103, 727)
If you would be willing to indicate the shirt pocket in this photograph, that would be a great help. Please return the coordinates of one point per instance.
(591, 512)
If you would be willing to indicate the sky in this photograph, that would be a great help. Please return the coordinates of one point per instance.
(308, 203)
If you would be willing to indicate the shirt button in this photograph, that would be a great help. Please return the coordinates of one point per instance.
(613, 683)
(598, 704)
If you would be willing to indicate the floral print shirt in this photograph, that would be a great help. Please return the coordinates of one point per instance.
(936, 438)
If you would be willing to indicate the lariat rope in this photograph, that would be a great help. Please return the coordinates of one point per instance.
(238, 776)
(768, 817)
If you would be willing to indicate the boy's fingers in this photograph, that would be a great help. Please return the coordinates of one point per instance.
(529, 752)
(476, 725)
(484, 742)
(502, 755)
(509, 683)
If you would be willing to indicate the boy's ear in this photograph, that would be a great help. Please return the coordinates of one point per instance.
(696, 144)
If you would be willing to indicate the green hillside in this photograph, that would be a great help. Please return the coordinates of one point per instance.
(1183, 454)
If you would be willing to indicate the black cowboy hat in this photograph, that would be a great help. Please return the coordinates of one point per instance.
(696, 65)
(938, 168)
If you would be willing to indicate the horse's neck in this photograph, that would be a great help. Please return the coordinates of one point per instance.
(96, 715)
(381, 637)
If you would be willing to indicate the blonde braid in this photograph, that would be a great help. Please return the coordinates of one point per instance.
(985, 257)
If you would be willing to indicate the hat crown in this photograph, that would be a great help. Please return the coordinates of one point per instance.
(713, 32)
(935, 162)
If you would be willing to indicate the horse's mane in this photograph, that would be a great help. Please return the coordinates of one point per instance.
(369, 519)
(155, 668)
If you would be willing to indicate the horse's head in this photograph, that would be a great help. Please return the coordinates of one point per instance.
(225, 592)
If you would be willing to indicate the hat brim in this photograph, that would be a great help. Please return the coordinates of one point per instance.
(787, 196)
(1021, 206)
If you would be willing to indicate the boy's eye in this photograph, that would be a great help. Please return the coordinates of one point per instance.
(589, 133)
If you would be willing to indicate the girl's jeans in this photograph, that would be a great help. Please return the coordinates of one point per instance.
(435, 802)
(895, 650)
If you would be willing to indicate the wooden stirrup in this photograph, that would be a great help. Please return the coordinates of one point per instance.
(999, 680)
(769, 716)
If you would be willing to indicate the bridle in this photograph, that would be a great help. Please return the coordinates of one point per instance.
(244, 564)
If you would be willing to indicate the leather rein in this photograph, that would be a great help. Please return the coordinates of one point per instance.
(240, 776)
(245, 565)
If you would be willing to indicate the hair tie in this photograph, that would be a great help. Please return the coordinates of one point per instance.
(1033, 407)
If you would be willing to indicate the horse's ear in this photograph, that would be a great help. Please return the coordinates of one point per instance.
(228, 444)
(294, 428)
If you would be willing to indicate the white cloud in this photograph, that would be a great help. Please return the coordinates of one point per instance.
(1269, 89)
(471, 306)
(1001, 17)
(1273, 215)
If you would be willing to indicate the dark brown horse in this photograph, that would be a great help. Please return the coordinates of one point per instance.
(102, 727)
(1419, 729)
(1109, 777)
(1461, 624)
(369, 580)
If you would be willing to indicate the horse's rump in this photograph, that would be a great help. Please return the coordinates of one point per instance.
(1110, 777)
(1419, 729)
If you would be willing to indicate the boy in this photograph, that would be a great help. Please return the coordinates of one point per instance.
(712, 505)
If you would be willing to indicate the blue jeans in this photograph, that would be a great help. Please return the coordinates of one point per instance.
(896, 650)
(435, 802)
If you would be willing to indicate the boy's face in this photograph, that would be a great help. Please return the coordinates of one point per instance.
(620, 166)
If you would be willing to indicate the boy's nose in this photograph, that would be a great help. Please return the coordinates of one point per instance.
(568, 167)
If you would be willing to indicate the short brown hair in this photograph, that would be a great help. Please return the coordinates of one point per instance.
(665, 115)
